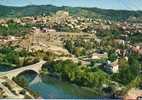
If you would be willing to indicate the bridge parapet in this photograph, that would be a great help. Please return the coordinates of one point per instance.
(13, 73)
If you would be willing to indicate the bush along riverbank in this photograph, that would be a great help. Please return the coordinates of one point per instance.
(93, 79)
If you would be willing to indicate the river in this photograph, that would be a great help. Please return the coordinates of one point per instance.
(51, 88)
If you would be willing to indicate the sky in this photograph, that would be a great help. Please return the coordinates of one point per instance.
(106, 4)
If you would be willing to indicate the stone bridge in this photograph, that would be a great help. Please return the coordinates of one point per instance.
(13, 73)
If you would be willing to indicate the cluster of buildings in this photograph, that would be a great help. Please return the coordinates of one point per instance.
(130, 27)
(137, 48)
(62, 19)
(9, 39)
(49, 33)
(101, 60)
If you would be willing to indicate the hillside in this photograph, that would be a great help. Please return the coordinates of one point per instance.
(6, 11)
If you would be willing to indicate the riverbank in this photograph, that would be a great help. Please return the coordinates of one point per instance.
(22, 81)
(90, 93)
(10, 89)
(44, 78)
(52, 88)
(92, 79)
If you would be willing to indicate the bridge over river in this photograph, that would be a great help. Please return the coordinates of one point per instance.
(13, 73)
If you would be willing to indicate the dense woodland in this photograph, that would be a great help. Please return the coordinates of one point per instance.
(75, 11)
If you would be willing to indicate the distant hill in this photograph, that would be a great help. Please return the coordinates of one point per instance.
(6, 11)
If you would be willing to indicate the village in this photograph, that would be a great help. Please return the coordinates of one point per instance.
(49, 35)
(87, 46)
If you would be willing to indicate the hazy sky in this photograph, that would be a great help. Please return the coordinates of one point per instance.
(109, 4)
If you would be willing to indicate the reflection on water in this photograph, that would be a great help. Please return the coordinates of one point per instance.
(52, 88)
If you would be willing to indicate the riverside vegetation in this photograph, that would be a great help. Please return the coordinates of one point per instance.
(106, 59)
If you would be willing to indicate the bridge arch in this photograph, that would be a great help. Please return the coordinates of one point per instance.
(28, 72)
(13, 73)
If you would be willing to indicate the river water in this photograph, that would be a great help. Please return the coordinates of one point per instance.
(55, 89)
(51, 88)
